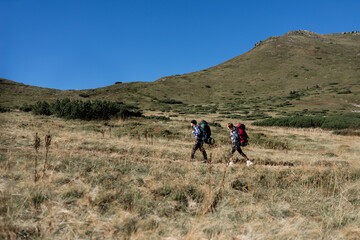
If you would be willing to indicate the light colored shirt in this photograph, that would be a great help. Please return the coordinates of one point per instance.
(234, 134)
(197, 132)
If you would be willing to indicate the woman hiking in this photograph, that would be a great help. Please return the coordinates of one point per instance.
(235, 139)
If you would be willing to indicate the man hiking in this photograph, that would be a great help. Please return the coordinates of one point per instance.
(235, 139)
(199, 142)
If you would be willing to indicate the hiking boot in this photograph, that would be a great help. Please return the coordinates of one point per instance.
(248, 163)
(205, 161)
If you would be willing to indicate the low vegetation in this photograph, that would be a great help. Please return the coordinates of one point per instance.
(116, 179)
(85, 110)
(4, 109)
(350, 120)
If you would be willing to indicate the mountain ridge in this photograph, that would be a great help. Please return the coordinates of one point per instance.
(276, 66)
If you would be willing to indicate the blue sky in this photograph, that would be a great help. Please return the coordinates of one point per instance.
(80, 44)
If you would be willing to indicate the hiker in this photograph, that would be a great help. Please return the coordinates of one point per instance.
(235, 139)
(199, 142)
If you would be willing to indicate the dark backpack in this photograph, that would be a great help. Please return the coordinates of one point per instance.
(206, 132)
(242, 134)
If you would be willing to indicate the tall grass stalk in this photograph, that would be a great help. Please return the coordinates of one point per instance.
(47, 146)
(219, 193)
(36, 147)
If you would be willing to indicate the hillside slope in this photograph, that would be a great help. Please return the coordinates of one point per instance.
(300, 68)
(296, 61)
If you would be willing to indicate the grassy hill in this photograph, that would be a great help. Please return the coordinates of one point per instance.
(299, 71)
(131, 178)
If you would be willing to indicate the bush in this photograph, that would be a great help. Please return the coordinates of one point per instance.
(330, 122)
(347, 91)
(161, 118)
(85, 110)
(26, 108)
(84, 95)
(42, 108)
(3, 109)
(170, 101)
(294, 94)
(351, 120)
(347, 133)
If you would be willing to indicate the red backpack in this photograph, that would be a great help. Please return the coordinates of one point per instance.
(242, 134)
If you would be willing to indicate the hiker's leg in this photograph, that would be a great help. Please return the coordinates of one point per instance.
(242, 153)
(234, 147)
(202, 149)
(195, 147)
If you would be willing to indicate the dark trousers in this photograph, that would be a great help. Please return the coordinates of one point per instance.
(198, 145)
(236, 147)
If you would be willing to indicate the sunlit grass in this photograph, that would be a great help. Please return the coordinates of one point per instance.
(120, 184)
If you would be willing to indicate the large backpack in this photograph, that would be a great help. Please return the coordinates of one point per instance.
(242, 134)
(206, 132)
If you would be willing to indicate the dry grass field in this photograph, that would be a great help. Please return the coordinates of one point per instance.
(131, 180)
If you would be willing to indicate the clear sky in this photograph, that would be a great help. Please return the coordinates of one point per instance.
(80, 44)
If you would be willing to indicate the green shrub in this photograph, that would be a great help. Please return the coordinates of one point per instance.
(294, 94)
(329, 122)
(84, 95)
(342, 122)
(26, 108)
(41, 108)
(161, 118)
(3, 109)
(170, 101)
(215, 124)
(347, 133)
(85, 110)
(347, 91)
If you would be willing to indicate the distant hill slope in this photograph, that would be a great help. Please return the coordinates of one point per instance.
(303, 69)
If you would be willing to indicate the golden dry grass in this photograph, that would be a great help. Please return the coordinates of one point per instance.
(115, 186)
